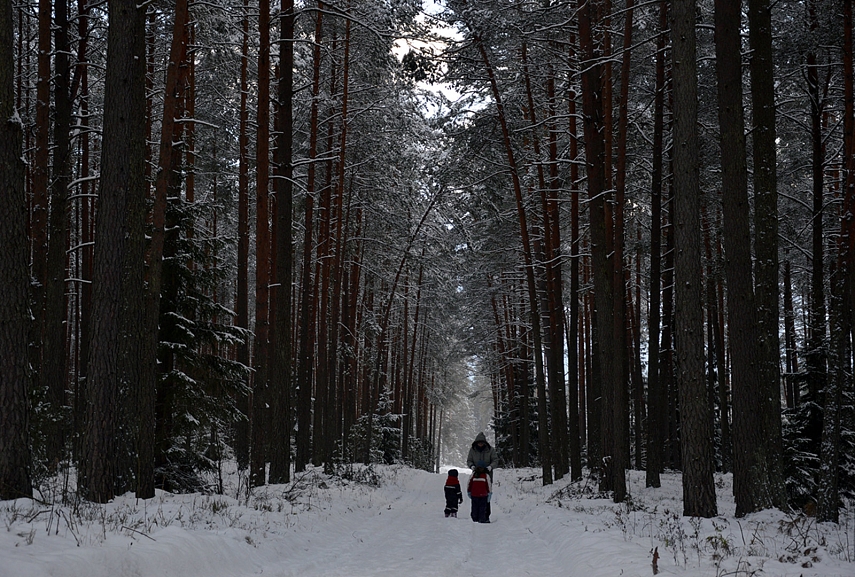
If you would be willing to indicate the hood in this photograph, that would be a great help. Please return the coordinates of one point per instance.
(480, 437)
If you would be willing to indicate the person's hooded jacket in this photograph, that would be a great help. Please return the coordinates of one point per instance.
(481, 456)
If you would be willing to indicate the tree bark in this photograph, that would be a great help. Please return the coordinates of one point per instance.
(241, 441)
(655, 399)
(53, 369)
(698, 463)
(817, 350)
(572, 327)
(40, 179)
(666, 345)
(258, 454)
(280, 382)
(843, 285)
(608, 340)
(151, 436)
(747, 442)
(14, 277)
(307, 333)
(118, 266)
(766, 274)
(555, 286)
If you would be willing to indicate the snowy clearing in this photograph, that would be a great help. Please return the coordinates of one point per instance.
(322, 526)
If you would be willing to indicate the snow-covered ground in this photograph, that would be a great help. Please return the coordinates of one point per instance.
(322, 526)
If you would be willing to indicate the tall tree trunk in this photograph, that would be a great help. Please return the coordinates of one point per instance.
(766, 293)
(655, 396)
(152, 443)
(555, 292)
(280, 382)
(86, 236)
(666, 345)
(351, 341)
(117, 276)
(14, 277)
(322, 288)
(241, 441)
(716, 364)
(608, 341)
(407, 420)
(747, 444)
(790, 347)
(621, 398)
(307, 332)
(337, 265)
(40, 178)
(817, 350)
(53, 366)
(842, 298)
(695, 412)
(258, 456)
(723, 375)
(572, 326)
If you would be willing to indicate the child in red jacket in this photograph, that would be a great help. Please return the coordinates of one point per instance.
(453, 494)
(479, 491)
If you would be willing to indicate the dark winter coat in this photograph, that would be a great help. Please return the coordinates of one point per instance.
(481, 457)
(453, 494)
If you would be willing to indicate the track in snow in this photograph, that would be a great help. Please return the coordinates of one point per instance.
(404, 533)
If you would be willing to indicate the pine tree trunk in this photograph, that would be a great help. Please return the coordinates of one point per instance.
(14, 277)
(655, 397)
(307, 306)
(409, 383)
(666, 345)
(761, 67)
(842, 284)
(576, 415)
(241, 442)
(716, 364)
(280, 382)
(621, 406)
(258, 453)
(747, 443)
(53, 367)
(607, 340)
(117, 274)
(40, 178)
(555, 290)
(153, 437)
(698, 463)
(817, 350)
(790, 347)
(86, 237)
(338, 264)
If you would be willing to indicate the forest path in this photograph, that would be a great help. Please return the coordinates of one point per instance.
(402, 531)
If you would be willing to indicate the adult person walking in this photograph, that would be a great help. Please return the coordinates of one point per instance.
(481, 454)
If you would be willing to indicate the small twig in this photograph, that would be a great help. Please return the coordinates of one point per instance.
(139, 532)
(741, 533)
(34, 515)
(62, 514)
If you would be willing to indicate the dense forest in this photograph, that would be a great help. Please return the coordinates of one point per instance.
(286, 234)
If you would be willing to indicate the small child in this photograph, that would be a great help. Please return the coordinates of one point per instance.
(453, 494)
(479, 491)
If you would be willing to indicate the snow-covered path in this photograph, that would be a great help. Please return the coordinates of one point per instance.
(325, 527)
(403, 532)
